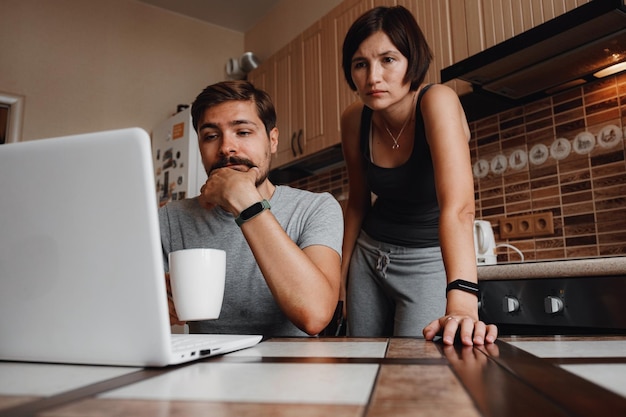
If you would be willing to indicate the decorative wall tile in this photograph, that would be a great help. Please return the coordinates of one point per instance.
(575, 114)
(578, 208)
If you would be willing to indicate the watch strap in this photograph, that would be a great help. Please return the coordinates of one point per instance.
(463, 285)
(252, 211)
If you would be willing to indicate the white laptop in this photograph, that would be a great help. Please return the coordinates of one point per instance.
(81, 269)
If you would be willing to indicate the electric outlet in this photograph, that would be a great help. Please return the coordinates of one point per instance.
(538, 224)
(543, 224)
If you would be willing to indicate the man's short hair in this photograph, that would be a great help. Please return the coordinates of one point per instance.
(238, 90)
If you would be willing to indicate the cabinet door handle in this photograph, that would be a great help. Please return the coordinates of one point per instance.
(300, 133)
(293, 148)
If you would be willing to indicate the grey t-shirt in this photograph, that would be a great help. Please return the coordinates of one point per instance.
(249, 307)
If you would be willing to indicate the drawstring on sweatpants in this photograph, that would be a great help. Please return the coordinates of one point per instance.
(382, 263)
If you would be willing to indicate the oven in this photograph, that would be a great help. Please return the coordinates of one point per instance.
(562, 297)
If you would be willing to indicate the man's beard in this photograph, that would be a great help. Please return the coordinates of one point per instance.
(234, 160)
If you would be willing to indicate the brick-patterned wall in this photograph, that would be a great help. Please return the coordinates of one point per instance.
(334, 181)
(585, 190)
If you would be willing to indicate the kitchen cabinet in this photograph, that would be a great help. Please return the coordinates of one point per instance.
(274, 76)
(433, 18)
(485, 23)
(310, 59)
(293, 77)
(335, 25)
(284, 102)
(263, 77)
(476, 25)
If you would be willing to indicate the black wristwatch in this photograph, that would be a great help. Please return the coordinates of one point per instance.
(461, 284)
(252, 211)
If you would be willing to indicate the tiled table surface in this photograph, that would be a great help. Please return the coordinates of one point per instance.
(338, 377)
(576, 355)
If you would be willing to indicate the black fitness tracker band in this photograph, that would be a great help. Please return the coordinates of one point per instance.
(461, 284)
(252, 211)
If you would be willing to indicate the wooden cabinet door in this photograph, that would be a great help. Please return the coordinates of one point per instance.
(262, 77)
(489, 22)
(337, 93)
(302, 99)
(284, 103)
(311, 59)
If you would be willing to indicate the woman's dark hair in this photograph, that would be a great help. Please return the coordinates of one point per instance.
(403, 31)
(234, 90)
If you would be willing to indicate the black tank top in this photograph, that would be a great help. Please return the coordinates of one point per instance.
(406, 212)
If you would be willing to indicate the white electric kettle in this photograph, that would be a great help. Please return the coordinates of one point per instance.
(484, 243)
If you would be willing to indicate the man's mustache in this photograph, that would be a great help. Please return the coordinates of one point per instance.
(232, 160)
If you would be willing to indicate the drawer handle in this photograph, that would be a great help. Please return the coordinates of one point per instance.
(300, 141)
(293, 148)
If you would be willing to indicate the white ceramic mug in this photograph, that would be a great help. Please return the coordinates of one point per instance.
(197, 278)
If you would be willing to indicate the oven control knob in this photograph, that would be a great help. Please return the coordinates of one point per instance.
(510, 304)
(552, 304)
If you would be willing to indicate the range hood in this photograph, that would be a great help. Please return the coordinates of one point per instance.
(556, 55)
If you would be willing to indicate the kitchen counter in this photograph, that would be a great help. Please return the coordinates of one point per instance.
(555, 269)
(341, 377)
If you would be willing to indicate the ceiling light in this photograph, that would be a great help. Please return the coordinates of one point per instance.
(613, 69)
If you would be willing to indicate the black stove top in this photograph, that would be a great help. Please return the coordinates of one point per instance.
(579, 305)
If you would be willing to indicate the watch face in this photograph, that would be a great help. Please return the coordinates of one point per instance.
(251, 211)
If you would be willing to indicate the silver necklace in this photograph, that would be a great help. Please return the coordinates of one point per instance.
(395, 139)
(396, 145)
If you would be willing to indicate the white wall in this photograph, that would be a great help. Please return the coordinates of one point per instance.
(87, 65)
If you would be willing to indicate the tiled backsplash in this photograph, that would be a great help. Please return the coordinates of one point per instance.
(334, 181)
(563, 154)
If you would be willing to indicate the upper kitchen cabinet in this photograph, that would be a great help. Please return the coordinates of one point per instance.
(310, 93)
(274, 77)
(485, 23)
(433, 17)
(297, 86)
(287, 111)
(338, 94)
(263, 77)
(476, 25)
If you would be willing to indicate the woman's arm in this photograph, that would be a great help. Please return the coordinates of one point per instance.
(448, 135)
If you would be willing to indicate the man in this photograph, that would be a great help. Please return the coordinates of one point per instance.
(282, 245)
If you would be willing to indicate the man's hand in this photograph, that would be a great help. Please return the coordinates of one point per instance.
(234, 189)
(170, 302)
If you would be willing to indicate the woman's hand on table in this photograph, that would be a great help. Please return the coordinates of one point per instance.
(470, 331)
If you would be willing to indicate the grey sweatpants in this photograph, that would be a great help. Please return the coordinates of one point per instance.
(393, 290)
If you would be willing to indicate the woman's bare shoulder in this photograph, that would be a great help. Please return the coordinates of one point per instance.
(440, 92)
(352, 114)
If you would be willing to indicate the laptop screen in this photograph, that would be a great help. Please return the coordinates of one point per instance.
(80, 255)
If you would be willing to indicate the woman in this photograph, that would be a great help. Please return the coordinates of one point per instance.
(407, 143)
